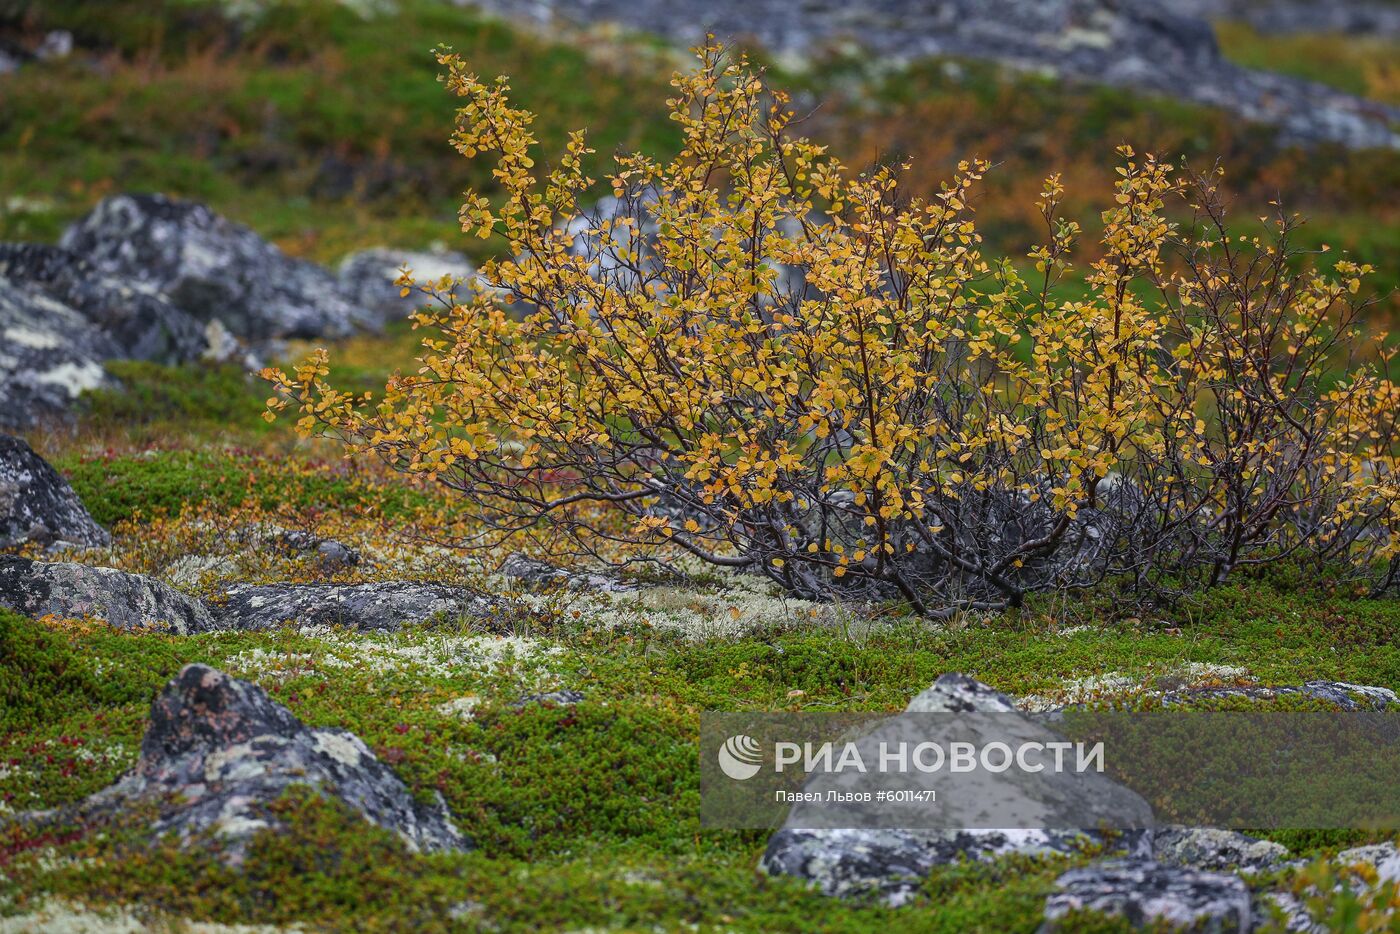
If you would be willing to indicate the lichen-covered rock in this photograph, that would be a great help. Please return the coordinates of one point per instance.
(1287, 909)
(1341, 694)
(37, 504)
(49, 355)
(376, 606)
(1147, 893)
(331, 554)
(1383, 858)
(212, 268)
(1145, 45)
(893, 862)
(533, 572)
(142, 324)
(218, 751)
(72, 591)
(368, 278)
(1215, 849)
(563, 698)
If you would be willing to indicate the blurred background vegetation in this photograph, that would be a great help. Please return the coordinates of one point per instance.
(324, 129)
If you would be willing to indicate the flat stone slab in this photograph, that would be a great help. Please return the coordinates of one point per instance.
(366, 607)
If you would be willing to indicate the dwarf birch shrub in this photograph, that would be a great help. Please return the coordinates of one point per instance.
(758, 357)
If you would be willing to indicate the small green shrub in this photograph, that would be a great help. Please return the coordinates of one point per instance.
(44, 678)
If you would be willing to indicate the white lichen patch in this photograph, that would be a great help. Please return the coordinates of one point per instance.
(49, 860)
(342, 747)
(233, 763)
(429, 654)
(36, 340)
(744, 606)
(74, 378)
(256, 663)
(1118, 684)
(62, 917)
(461, 707)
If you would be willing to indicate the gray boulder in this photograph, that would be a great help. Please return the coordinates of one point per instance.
(218, 751)
(366, 607)
(892, 862)
(1383, 858)
(535, 573)
(1214, 849)
(212, 268)
(143, 325)
(1151, 894)
(562, 698)
(959, 693)
(1287, 909)
(125, 601)
(49, 355)
(329, 553)
(37, 504)
(1356, 17)
(368, 278)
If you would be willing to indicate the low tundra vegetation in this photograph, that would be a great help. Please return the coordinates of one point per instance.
(599, 798)
(760, 359)
(1172, 466)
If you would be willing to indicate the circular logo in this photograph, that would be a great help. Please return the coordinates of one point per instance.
(739, 757)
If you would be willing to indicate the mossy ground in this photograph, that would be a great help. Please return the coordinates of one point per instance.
(587, 816)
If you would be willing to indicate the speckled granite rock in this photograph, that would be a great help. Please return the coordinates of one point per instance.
(958, 693)
(218, 751)
(375, 606)
(1147, 893)
(1357, 17)
(49, 355)
(125, 601)
(213, 268)
(142, 324)
(37, 504)
(1287, 910)
(1215, 849)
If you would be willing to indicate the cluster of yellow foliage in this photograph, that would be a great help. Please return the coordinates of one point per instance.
(761, 358)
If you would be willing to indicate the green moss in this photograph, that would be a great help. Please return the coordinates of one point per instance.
(155, 483)
(195, 397)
